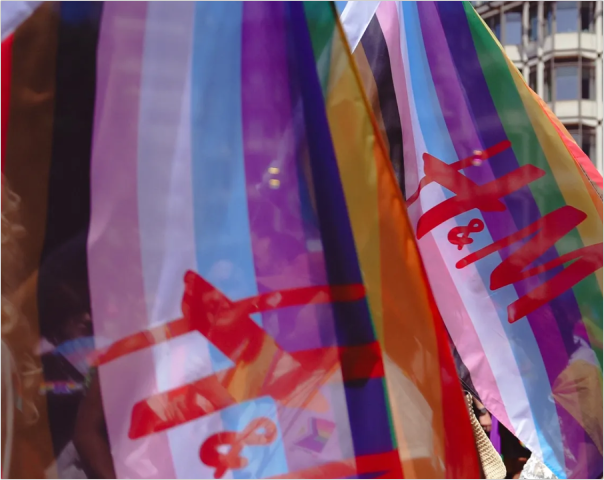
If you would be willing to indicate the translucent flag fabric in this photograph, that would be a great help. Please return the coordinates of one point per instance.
(211, 254)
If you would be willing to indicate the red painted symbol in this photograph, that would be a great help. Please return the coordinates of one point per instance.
(262, 367)
(260, 431)
(468, 194)
(460, 236)
(538, 238)
(534, 240)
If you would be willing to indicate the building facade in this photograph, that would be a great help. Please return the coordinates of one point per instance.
(558, 48)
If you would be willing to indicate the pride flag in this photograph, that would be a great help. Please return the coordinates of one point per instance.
(204, 190)
(508, 223)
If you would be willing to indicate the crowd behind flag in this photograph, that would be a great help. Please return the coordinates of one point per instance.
(218, 270)
(507, 211)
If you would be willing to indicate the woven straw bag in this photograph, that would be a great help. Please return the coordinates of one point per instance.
(492, 465)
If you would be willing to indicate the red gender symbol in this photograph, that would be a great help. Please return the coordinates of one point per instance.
(260, 431)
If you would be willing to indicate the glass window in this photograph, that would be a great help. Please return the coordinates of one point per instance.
(533, 79)
(588, 143)
(588, 83)
(533, 22)
(587, 16)
(574, 131)
(549, 17)
(494, 24)
(547, 82)
(567, 17)
(585, 138)
(567, 82)
(513, 27)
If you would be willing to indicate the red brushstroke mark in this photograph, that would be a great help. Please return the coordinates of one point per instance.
(469, 195)
(260, 431)
(545, 232)
(243, 308)
(289, 378)
(460, 236)
(460, 165)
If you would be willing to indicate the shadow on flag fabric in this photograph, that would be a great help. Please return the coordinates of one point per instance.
(239, 283)
(507, 211)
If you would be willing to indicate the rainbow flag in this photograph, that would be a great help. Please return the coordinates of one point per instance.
(203, 186)
(508, 223)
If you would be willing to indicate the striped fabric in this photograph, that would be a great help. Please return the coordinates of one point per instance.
(207, 183)
(508, 222)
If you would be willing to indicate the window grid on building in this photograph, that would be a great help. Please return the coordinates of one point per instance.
(557, 46)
